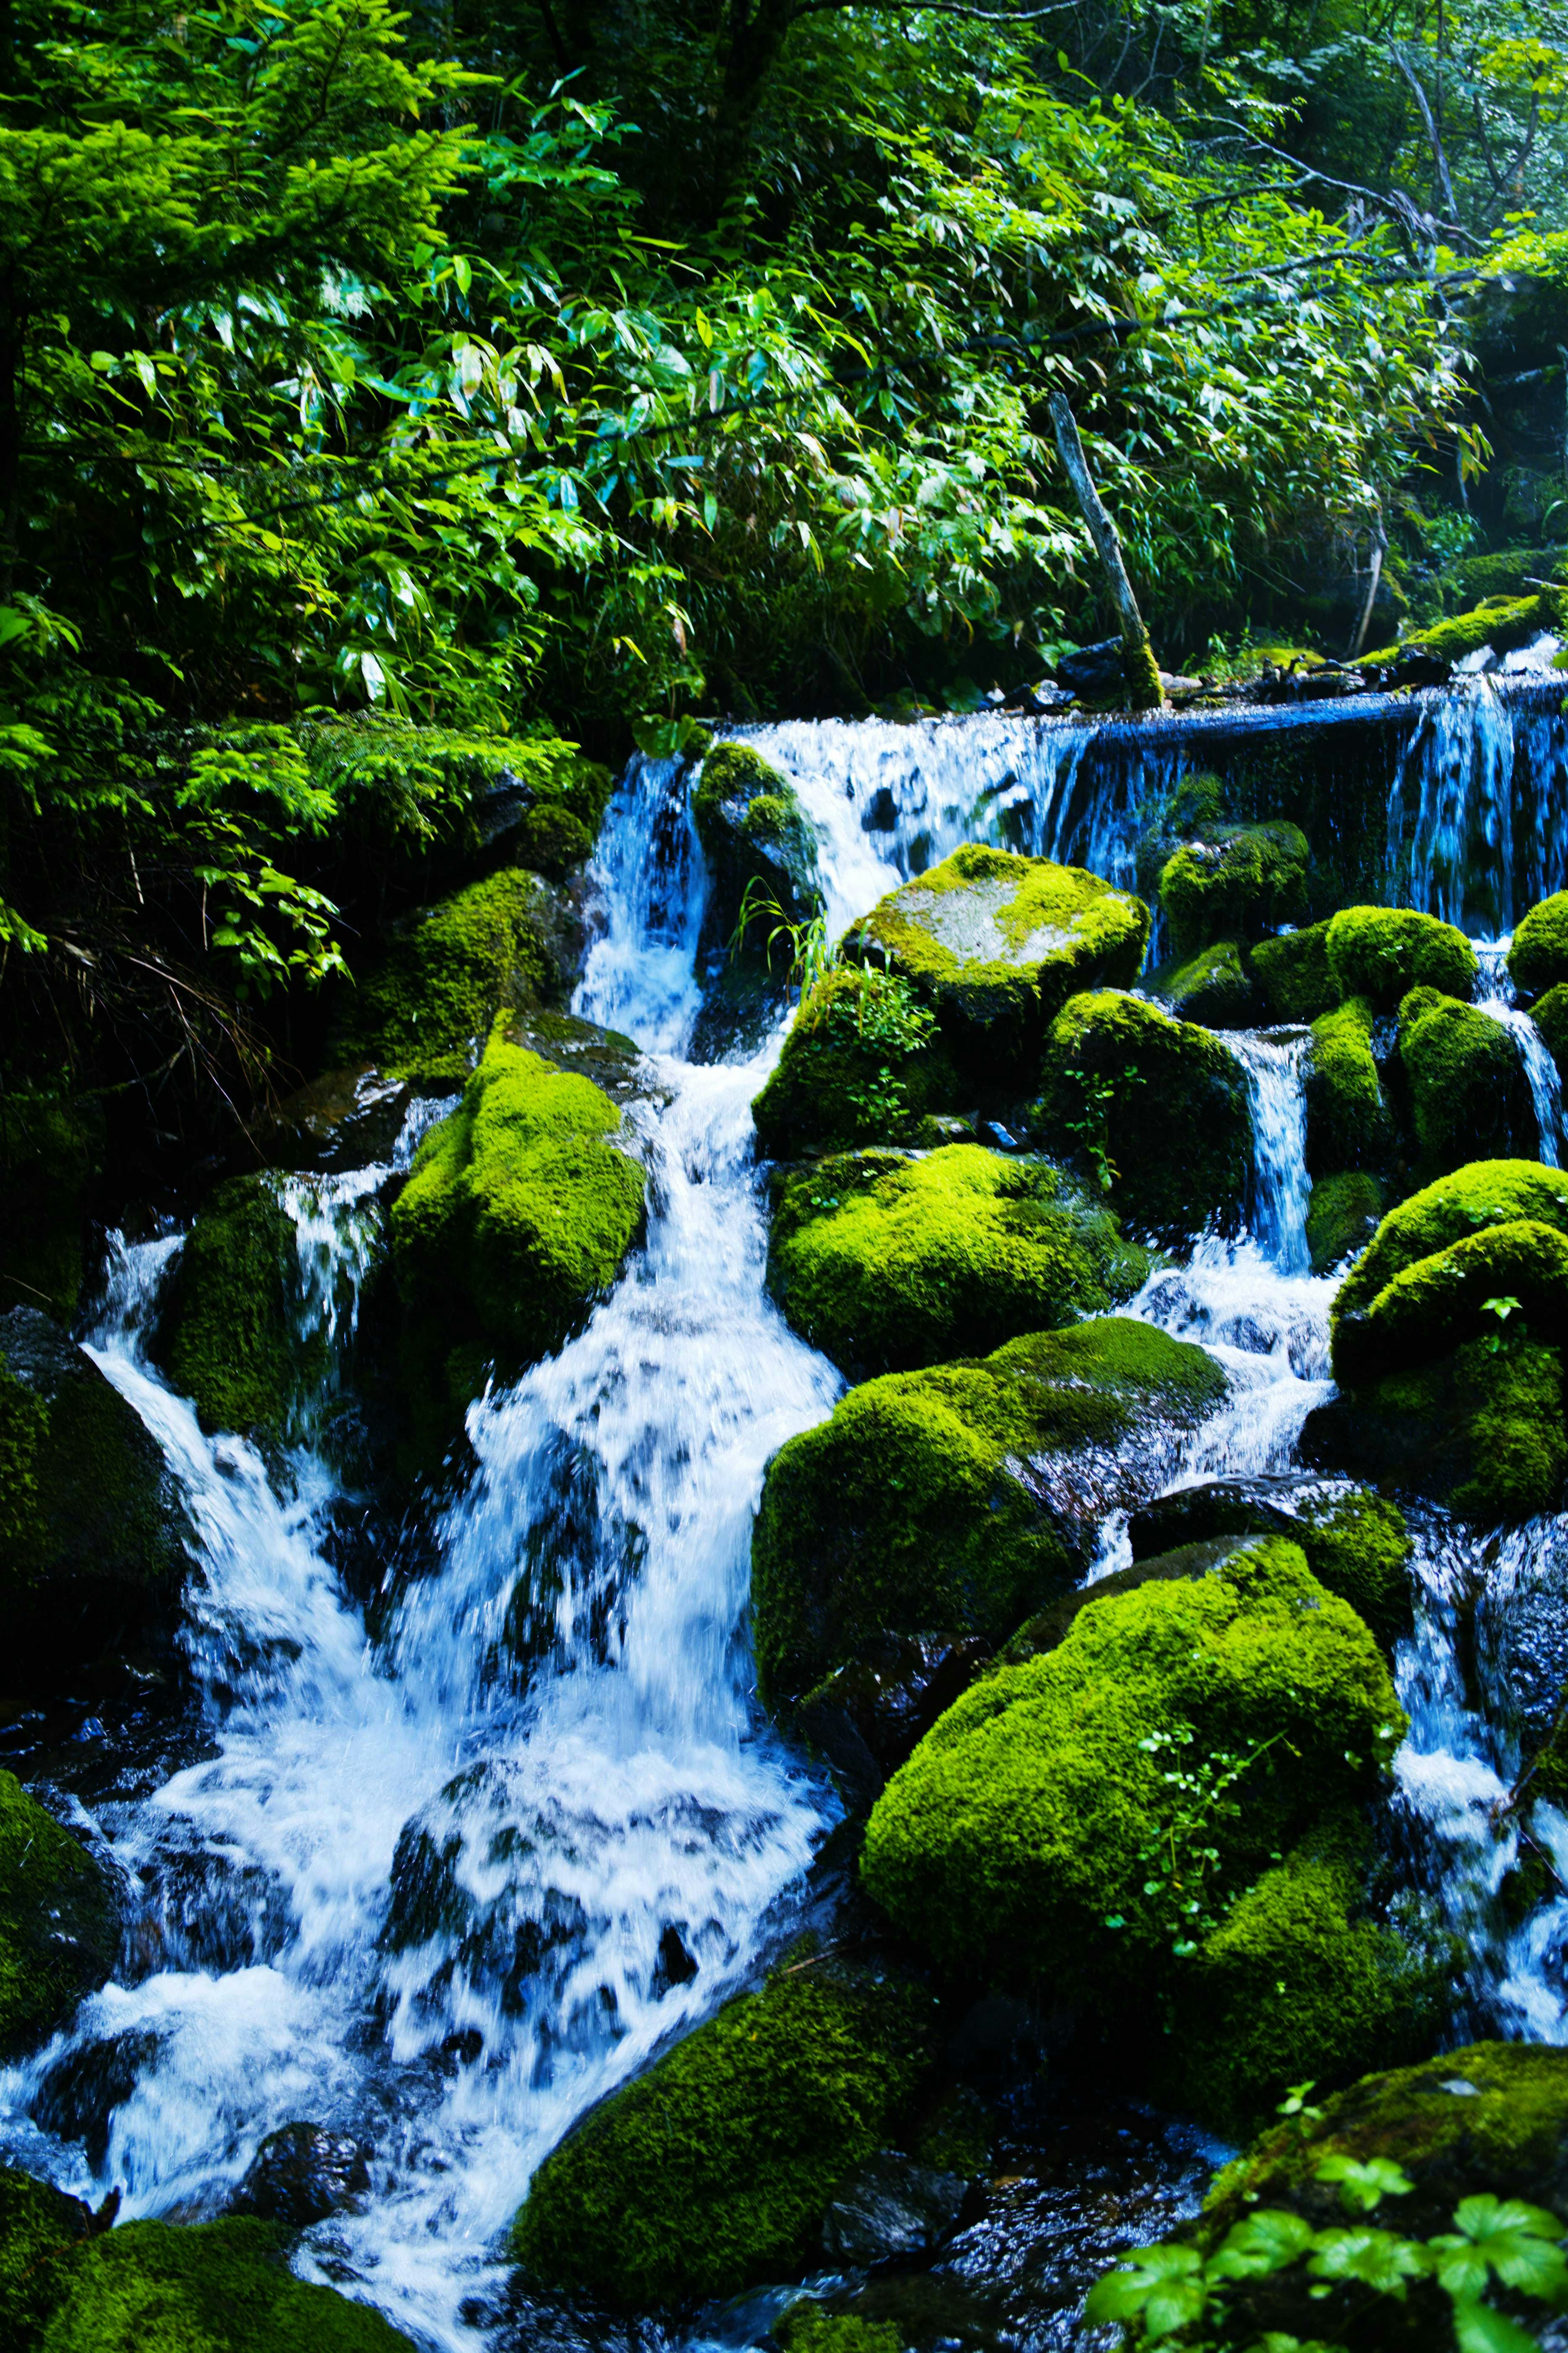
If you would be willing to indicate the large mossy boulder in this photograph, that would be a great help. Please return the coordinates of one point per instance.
(1348, 1121)
(955, 1501)
(1355, 1540)
(51, 1147)
(886, 1262)
(1294, 973)
(427, 1004)
(1382, 953)
(715, 2169)
(1234, 882)
(1031, 1835)
(863, 1063)
(997, 944)
(517, 1218)
(1159, 1109)
(1538, 952)
(1470, 1097)
(229, 1333)
(92, 1530)
(59, 1928)
(1501, 622)
(755, 837)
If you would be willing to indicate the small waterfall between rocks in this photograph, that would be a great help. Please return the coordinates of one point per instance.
(1495, 996)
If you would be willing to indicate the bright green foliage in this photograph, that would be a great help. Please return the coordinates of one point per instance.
(1358, 1546)
(208, 2287)
(1159, 1106)
(886, 1262)
(1470, 1098)
(1106, 1804)
(1538, 952)
(1486, 1193)
(1451, 1297)
(41, 2233)
(58, 1927)
(1382, 953)
(520, 1211)
(1342, 1214)
(1480, 1429)
(1295, 973)
(50, 1147)
(1236, 883)
(862, 1063)
(997, 943)
(1502, 623)
(806, 2327)
(904, 1513)
(753, 830)
(1212, 988)
(1550, 1015)
(429, 1004)
(228, 1334)
(714, 2168)
(1348, 1125)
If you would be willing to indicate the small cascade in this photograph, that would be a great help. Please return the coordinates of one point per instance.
(1495, 996)
(1275, 1063)
(1450, 849)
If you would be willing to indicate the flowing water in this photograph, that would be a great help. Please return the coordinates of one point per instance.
(444, 1887)
(1495, 996)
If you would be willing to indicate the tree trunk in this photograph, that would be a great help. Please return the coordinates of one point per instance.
(1375, 574)
(1144, 692)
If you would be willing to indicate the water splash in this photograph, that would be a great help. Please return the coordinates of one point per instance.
(1275, 1061)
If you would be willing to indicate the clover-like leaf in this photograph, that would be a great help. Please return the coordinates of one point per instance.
(1162, 2286)
(1266, 2242)
(1504, 2235)
(1363, 2186)
(1378, 2259)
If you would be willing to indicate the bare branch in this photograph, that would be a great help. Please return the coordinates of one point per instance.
(1433, 139)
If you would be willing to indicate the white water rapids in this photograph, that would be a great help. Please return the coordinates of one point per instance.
(591, 1865)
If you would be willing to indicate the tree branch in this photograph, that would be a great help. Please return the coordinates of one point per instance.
(1433, 139)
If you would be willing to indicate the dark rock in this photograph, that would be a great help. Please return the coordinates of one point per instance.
(1092, 670)
(675, 1966)
(891, 2207)
(300, 2174)
(866, 1718)
(80, 2091)
(58, 1920)
(348, 1118)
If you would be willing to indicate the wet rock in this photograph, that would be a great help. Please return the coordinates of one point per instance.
(1213, 987)
(864, 1719)
(302, 2173)
(756, 837)
(1235, 881)
(891, 2207)
(864, 1062)
(41, 2233)
(229, 1334)
(1355, 1540)
(60, 1923)
(1094, 671)
(348, 1118)
(80, 2091)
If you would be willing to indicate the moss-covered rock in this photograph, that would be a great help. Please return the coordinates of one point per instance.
(426, 1006)
(754, 832)
(806, 2327)
(551, 840)
(1382, 953)
(1486, 1193)
(995, 945)
(228, 1333)
(715, 2167)
(1538, 952)
(41, 2233)
(1236, 883)
(209, 2287)
(1295, 974)
(1470, 1097)
(94, 1533)
(58, 1926)
(1213, 986)
(518, 1215)
(1480, 1429)
(1159, 1106)
(886, 1262)
(1031, 1829)
(1355, 1541)
(1451, 1297)
(863, 1063)
(926, 1504)
(1501, 622)
(51, 1147)
(1342, 1214)
(1348, 1121)
(1550, 1015)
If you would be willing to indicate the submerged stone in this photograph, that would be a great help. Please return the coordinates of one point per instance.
(300, 2174)
(59, 1928)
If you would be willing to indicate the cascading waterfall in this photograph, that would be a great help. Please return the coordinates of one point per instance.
(1450, 811)
(1495, 996)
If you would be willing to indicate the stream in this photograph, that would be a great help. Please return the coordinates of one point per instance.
(389, 1885)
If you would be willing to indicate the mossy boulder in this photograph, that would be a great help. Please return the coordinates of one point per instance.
(1355, 1540)
(806, 2327)
(1501, 622)
(517, 1217)
(1342, 1214)
(41, 2233)
(754, 835)
(1234, 882)
(150, 2287)
(1538, 952)
(1213, 986)
(1478, 1430)
(863, 1063)
(551, 842)
(51, 1147)
(1382, 953)
(1470, 1097)
(1348, 1121)
(1486, 1193)
(1294, 973)
(715, 2169)
(886, 1262)
(1550, 1015)
(228, 1332)
(426, 1006)
(1027, 1835)
(949, 1501)
(1159, 1107)
(1405, 1289)
(995, 945)
(92, 1531)
(59, 1928)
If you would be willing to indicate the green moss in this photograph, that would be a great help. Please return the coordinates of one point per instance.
(1501, 622)
(909, 1510)
(1348, 1126)
(51, 1147)
(715, 2167)
(505, 942)
(1295, 974)
(886, 1263)
(24, 1430)
(1342, 1215)
(805, 2328)
(550, 840)
(1382, 953)
(41, 2233)
(1440, 1301)
(1537, 954)
(1486, 1193)
(210, 2287)
(753, 829)
(1213, 986)
(997, 943)
(1028, 1827)
(58, 1926)
(862, 1063)
(1478, 1431)
(1237, 882)
(1470, 1098)
(1358, 1546)
(1166, 1102)
(228, 1333)
(520, 1211)
(1550, 1015)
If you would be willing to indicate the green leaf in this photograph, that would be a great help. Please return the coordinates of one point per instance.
(1378, 2259)
(1506, 2236)
(1478, 2329)
(1363, 2186)
(1266, 2242)
(1162, 2286)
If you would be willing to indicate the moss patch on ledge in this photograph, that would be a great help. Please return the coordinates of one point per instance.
(1501, 622)
(228, 1333)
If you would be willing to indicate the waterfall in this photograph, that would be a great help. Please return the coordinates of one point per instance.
(1450, 811)
(1495, 997)
(1274, 1063)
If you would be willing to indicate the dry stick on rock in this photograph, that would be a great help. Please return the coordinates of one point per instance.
(1144, 692)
